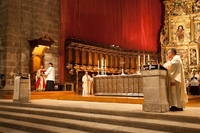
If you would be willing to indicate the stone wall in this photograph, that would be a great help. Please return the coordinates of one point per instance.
(27, 20)
(3, 31)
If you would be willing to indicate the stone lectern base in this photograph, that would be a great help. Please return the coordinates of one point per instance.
(21, 90)
(154, 90)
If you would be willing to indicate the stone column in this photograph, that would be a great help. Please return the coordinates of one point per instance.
(154, 90)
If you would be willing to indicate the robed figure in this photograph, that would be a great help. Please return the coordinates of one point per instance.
(180, 33)
(50, 79)
(86, 84)
(92, 84)
(40, 83)
(194, 84)
(176, 88)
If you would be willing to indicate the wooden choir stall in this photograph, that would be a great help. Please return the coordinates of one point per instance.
(117, 70)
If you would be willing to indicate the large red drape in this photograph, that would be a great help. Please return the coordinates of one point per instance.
(130, 24)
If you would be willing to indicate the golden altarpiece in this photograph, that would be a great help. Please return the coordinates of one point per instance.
(181, 30)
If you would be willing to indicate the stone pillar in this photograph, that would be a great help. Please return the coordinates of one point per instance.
(154, 90)
(23, 20)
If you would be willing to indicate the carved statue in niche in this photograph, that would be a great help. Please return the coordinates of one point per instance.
(173, 27)
(193, 57)
(163, 37)
(179, 9)
(180, 33)
(197, 32)
(180, 30)
(197, 7)
(183, 54)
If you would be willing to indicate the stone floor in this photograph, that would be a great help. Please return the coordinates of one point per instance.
(192, 108)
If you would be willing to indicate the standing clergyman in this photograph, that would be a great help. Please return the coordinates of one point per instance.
(50, 77)
(176, 90)
(40, 79)
(86, 84)
(194, 87)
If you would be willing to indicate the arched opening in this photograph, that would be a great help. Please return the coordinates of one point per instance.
(37, 54)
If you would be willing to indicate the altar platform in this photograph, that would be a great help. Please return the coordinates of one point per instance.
(70, 96)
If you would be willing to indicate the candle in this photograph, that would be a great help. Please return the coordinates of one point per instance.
(105, 64)
(98, 64)
(102, 63)
(148, 57)
(138, 60)
(144, 59)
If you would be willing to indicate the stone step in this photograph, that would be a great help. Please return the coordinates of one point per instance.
(170, 116)
(73, 118)
(61, 125)
(7, 129)
(17, 126)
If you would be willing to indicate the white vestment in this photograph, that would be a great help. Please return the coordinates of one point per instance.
(86, 84)
(50, 74)
(176, 88)
(194, 80)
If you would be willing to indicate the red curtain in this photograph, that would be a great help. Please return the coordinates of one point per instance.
(130, 24)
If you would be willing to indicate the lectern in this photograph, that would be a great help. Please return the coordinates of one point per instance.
(155, 90)
(21, 89)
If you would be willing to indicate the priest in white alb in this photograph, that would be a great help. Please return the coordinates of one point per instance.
(86, 84)
(176, 88)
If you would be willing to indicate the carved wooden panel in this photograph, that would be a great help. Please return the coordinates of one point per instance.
(114, 85)
(120, 85)
(130, 84)
(77, 57)
(135, 87)
(127, 63)
(115, 61)
(133, 64)
(96, 85)
(69, 55)
(140, 86)
(105, 85)
(121, 59)
(90, 58)
(110, 85)
(101, 89)
(126, 85)
(84, 57)
(96, 58)
(111, 62)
